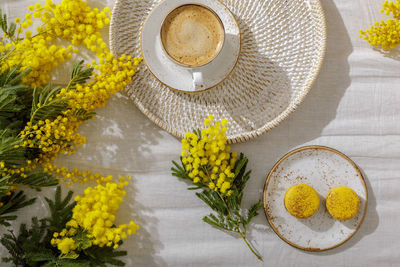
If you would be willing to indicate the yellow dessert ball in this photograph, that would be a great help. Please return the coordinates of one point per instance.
(342, 203)
(301, 201)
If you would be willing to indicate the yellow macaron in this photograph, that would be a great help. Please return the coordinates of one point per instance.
(301, 201)
(342, 203)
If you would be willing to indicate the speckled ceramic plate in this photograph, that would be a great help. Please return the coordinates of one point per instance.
(322, 168)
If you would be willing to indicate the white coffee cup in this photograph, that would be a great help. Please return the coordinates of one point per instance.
(184, 78)
(194, 24)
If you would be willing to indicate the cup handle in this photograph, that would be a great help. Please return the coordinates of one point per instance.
(197, 80)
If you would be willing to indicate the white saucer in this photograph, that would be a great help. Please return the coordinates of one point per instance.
(179, 77)
(322, 168)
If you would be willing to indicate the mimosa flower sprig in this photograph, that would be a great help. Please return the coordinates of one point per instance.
(208, 163)
(385, 34)
(39, 121)
(81, 233)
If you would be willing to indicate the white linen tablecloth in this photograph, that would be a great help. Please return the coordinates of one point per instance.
(354, 106)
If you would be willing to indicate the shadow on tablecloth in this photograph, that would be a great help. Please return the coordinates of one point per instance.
(143, 247)
(305, 126)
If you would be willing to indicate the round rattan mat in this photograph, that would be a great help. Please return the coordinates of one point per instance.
(283, 46)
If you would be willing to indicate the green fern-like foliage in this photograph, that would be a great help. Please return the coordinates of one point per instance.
(12, 155)
(32, 247)
(13, 202)
(234, 218)
(45, 105)
(15, 99)
(79, 75)
(228, 213)
(60, 210)
(8, 28)
(15, 106)
(9, 153)
(20, 104)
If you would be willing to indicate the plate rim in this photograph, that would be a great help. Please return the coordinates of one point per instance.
(295, 151)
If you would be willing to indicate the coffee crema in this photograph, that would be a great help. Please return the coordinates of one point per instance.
(192, 35)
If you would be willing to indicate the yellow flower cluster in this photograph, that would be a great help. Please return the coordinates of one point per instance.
(390, 7)
(95, 213)
(53, 137)
(60, 135)
(385, 34)
(22, 170)
(113, 74)
(71, 20)
(75, 21)
(207, 157)
(75, 175)
(66, 245)
(38, 53)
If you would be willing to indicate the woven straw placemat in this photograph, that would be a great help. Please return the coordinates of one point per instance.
(283, 46)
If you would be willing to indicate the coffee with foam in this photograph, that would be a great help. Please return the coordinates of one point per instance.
(192, 35)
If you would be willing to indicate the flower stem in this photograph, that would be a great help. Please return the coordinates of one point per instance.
(247, 243)
(238, 229)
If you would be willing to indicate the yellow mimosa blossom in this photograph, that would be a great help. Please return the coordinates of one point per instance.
(66, 245)
(79, 24)
(38, 54)
(58, 136)
(95, 213)
(385, 34)
(71, 20)
(208, 158)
